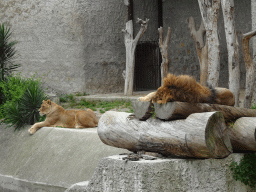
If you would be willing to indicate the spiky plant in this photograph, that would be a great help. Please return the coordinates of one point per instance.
(31, 102)
(7, 52)
(25, 110)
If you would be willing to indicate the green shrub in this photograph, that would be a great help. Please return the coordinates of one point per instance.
(23, 98)
(12, 90)
(245, 171)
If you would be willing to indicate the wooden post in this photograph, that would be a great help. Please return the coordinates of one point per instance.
(210, 10)
(164, 52)
(249, 65)
(201, 49)
(228, 10)
(201, 135)
(130, 45)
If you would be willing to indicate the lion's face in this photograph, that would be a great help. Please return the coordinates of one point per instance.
(45, 107)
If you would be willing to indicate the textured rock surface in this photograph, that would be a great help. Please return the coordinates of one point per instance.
(114, 174)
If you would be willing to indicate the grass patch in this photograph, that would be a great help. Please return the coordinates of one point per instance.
(106, 105)
(81, 94)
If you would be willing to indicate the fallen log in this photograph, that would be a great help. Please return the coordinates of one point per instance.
(201, 135)
(181, 110)
(243, 134)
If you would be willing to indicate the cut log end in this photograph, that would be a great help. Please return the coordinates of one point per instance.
(217, 138)
(142, 109)
(243, 134)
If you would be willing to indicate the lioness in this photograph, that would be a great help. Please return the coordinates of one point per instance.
(58, 116)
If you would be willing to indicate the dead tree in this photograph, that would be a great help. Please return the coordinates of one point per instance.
(201, 48)
(249, 65)
(201, 135)
(130, 45)
(228, 9)
(209, 11)
(164, 52)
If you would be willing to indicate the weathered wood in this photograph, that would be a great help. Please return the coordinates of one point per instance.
(163, 45)
(228, 10)
(201, 135)
(130, 46)
(249, 66)
(201, 48)
(243, 134)
(181, 110)
(142, 109)
(210, 10)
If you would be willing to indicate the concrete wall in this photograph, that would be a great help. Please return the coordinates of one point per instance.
(52, 158)
(77, 45)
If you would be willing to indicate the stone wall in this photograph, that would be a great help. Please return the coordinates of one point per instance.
(75, 46)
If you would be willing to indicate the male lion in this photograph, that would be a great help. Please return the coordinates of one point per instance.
(58, 116)
(184, 88)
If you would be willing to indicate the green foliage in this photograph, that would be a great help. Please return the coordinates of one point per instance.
(31, 101)
(253, 107)
(23, 98)
(7, 52)
(153, 113)
(245, 171)
(12, 90)
(67, 98)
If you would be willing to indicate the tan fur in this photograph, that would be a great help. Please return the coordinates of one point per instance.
(58, 116)
(185, 89)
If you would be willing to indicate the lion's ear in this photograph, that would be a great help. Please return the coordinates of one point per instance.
(49, 102)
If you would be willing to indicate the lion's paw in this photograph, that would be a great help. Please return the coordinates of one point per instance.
(32, 130)
(144, 99)
(161, 102)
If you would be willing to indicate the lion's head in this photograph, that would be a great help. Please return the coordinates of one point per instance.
(46, 107)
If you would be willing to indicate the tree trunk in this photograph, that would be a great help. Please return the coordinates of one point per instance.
(209, 12)
(181, 110)
(164, 52)
(130, 45)
(228, 9)
(243, 134)
(249, 65)
(201, 135)
(201, 49)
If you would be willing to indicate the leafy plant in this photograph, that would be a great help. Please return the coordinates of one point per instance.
(21, 107)
(12, 89)
(245, 171)
(7, 52)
